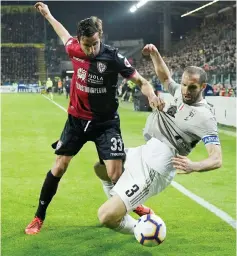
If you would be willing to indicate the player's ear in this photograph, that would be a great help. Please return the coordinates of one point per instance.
(203, 86)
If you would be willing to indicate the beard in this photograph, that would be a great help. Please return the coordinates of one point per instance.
(191, 99)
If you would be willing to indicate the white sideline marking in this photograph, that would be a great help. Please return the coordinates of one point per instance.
(218, 212)
(64, 109)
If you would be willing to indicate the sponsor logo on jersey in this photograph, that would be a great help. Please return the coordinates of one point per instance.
(101, 90)
(172, 110)
(126, 63)
(101, 67)
(78, 59)
(81, 74)
(94, 79)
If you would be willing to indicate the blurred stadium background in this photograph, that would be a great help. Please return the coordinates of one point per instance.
(31, 53)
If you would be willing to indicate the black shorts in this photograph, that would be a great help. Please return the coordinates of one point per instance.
(49, 89)
(105, 134)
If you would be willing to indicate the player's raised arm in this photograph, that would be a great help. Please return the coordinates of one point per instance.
(129, 73)
(161, 68)
(57, 26)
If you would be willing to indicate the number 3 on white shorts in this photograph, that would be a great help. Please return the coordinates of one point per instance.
(117, 144)
(134, 189)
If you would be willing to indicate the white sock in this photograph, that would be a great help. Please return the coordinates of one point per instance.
(126, 225)
(107, 186)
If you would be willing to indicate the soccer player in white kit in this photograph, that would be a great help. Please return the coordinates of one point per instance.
(171, 135)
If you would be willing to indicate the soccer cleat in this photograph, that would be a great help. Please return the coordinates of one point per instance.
(143, 210)
(34, 227)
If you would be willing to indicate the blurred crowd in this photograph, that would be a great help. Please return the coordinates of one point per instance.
(18, 64)
(21, 30)
(211, 46)
(53, 56)
(21, 25)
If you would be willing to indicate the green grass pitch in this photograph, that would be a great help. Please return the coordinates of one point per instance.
(30, 123)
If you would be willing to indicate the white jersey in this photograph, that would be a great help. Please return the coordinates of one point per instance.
(182, 126)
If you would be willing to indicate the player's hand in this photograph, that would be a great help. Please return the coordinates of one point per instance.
(43, 9)
(156, 102)
(183, 163)
(149, 49)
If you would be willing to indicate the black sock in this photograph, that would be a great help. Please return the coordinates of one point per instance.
(48, 190)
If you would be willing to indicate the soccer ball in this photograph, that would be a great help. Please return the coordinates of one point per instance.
(150, 230)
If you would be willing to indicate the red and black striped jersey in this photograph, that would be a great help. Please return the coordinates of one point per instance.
(94, 82)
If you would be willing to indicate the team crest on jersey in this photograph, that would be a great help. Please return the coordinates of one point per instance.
(191, 114)
(101, 67)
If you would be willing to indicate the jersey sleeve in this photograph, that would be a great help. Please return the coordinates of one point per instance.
(173, 87)
(73, 48)
(208, 132)
(123, 66)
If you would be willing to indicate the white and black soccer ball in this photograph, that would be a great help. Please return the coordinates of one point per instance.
(150, 230)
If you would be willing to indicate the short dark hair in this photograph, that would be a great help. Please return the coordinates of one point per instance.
(88, 27)
(193, 70)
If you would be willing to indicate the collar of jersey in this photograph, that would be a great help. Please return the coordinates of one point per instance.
(201, 102)
(102, 47)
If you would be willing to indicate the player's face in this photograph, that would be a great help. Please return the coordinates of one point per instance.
(191, 89)
(90, 45)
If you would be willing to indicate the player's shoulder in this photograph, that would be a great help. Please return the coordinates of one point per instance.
(207, 108)
(207, 113)
(71, 41)
(112, 51)
(109, 48)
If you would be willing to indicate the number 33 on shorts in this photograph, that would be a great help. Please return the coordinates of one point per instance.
(117, 144)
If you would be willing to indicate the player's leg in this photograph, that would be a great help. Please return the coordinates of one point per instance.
(111, 152)
(51, 93)
(107, 184)
(113, 215)
(110, 147)
(69, 145)
(101, 173)
(138, 183)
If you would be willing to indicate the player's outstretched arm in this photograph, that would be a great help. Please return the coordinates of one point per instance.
(161, 68)
(147, 90)
(214, 161)
(58, 27)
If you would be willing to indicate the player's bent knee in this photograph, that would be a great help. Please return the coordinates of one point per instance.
(106, 217)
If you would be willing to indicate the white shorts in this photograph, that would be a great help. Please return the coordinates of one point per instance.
(148, 171)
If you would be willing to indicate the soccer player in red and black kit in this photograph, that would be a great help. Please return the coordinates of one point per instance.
(92, 111)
